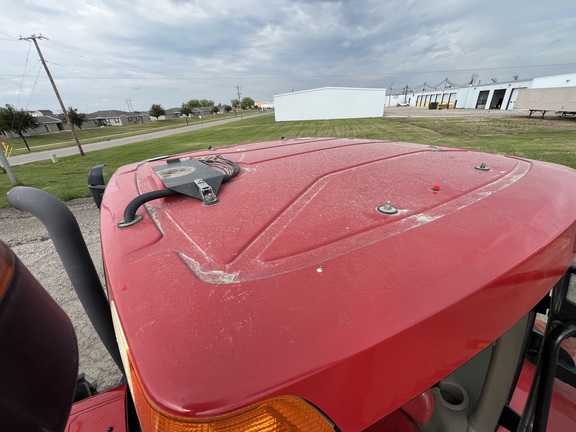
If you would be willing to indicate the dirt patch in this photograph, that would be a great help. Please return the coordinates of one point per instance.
(30, 241)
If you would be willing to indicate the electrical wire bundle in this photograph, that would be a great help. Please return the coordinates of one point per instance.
(225, 166)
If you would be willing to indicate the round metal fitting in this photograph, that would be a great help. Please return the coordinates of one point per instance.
(483, 167)
(123, 224)
(387, 209)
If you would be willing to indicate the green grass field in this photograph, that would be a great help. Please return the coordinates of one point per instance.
(552, 140)
(64, 139)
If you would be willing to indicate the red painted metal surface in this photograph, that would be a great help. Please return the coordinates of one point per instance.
(396, 421)
(103, 412)
(418, 410)
(295, 284)
(421, 408)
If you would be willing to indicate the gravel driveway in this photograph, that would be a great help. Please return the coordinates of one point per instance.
(30, 241)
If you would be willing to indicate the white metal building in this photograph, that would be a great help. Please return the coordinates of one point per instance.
(494, 95)
(555, 81)
(330, 103)
(481, 96)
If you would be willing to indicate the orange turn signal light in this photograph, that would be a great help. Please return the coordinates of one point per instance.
(6, 267)
(280, 414)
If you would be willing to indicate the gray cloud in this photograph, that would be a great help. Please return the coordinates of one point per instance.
(169, 51)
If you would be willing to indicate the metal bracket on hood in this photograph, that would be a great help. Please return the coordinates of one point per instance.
(191, 177)
(206, 192)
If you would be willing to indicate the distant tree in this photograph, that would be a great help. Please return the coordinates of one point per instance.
(215, 110)
(17, 121)
(227, 108)
(193, 103)
(76, 118)
(247, 103)
(156, 110)
(206, 103)
(186, 111)
(235, 103)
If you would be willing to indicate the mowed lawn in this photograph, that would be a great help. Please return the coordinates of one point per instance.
(549, 139)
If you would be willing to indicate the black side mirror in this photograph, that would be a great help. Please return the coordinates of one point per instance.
(96, 183)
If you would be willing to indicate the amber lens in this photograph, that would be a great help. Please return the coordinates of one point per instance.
(6, 266)
(281, 414)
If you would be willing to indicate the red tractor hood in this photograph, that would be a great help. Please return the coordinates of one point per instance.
(296, 284)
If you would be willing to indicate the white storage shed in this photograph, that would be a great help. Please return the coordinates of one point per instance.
(330, 103)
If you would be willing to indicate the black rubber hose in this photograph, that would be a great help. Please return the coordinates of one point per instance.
(73, 252)
(134, 205)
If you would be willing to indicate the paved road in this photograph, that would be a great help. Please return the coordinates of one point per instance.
(398, 112)
(68, 151)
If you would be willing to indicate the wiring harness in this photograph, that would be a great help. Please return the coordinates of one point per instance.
(225, 166)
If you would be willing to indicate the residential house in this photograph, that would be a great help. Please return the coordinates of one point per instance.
(115, 118)
(196, 112)
(47, 121)
(172, 113)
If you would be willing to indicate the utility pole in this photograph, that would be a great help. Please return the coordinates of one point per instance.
(390, 94)
(64, 112)
(7, 166)
(239, 93)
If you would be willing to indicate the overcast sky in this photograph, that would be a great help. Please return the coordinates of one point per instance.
(106, 54)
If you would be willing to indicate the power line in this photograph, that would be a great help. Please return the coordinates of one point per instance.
(196, 79)
(34, 38)
(21, 85)
(264, 77)
(129, 65)
(12, 38)
(105, 59)
(33, 88)
(110, 60)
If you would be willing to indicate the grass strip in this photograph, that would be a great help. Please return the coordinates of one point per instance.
(552, 140)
